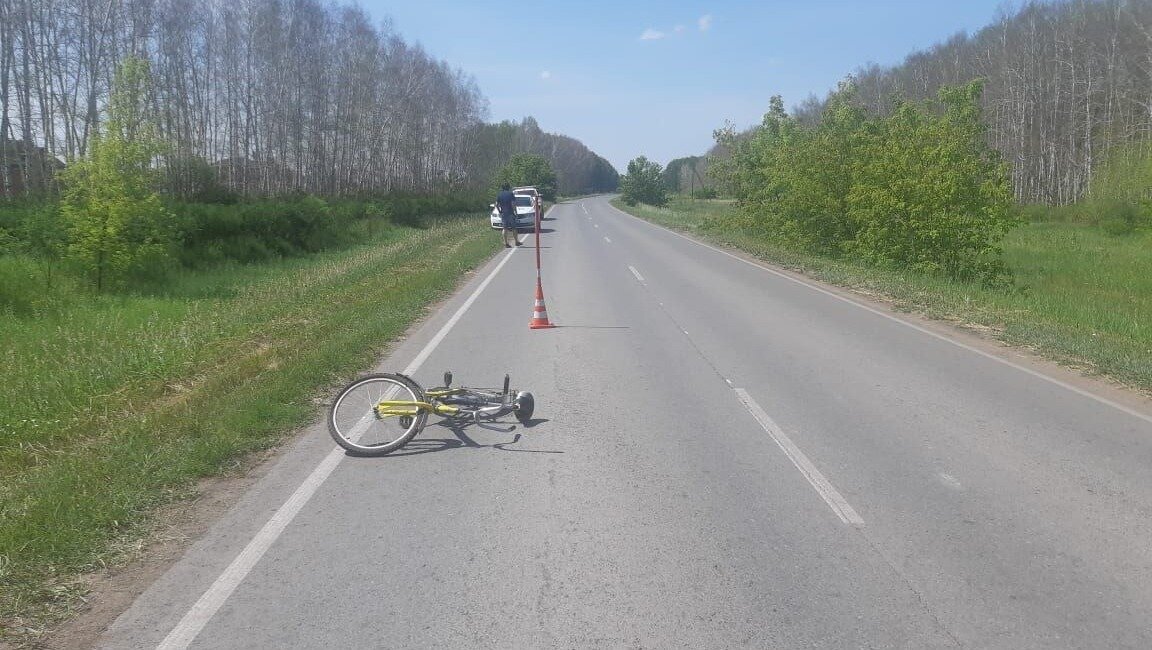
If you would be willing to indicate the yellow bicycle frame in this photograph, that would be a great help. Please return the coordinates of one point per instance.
(388, 408)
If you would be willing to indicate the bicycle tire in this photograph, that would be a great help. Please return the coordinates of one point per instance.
(357, 428)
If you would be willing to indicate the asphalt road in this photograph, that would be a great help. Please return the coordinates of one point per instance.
(722, 456)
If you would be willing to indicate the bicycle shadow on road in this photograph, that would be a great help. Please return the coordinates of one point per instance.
(462, 440)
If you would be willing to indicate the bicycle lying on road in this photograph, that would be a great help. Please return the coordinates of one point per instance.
(380, 413)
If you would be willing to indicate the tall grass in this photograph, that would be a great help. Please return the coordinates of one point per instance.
(1082, 293)
(117, 404)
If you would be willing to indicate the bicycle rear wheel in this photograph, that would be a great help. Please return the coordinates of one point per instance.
(358, 425)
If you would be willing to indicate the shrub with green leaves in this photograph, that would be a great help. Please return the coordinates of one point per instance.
(116, 222)
(929, 193)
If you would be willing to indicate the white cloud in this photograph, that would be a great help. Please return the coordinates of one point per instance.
(546, 75)
(704, 23)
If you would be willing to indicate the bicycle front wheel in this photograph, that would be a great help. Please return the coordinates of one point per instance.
(377, 414)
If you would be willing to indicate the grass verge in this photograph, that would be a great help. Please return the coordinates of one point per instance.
(115, 407)
(1083, 297)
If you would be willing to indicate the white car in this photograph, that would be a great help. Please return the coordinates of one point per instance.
(528, 189)
(525, 213)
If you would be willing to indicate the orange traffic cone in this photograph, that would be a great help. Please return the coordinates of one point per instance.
(539, 312)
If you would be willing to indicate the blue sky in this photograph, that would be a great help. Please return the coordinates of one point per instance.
(630, 78)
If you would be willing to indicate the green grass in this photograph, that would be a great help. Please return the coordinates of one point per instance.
(114, 406)
(1083, 297)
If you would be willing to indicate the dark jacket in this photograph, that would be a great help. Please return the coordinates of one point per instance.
(506, 202)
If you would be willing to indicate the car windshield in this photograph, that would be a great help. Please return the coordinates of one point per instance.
(523, 201)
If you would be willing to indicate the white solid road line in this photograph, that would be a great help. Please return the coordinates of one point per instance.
(1035, 373)
(825, 489)
(194, 621)
(636, 273)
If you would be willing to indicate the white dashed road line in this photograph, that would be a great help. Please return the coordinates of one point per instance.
(829, 493)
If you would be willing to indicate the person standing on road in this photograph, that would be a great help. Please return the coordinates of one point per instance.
(506, 206)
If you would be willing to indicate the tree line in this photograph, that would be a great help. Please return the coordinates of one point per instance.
(267, 97)
(577, 169)
(1067, 85)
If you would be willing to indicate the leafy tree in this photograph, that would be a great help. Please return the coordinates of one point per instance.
(643, 183)
(115, 221)
(530, 169)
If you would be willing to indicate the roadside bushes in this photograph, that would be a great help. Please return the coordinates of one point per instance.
(287, 227)
(251, 232)
(930, 194)
(36, 240)
(1117, 217)
(1122, 188)
(1119, 200)
(411, 209)
(918, 189)
(32, 245)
